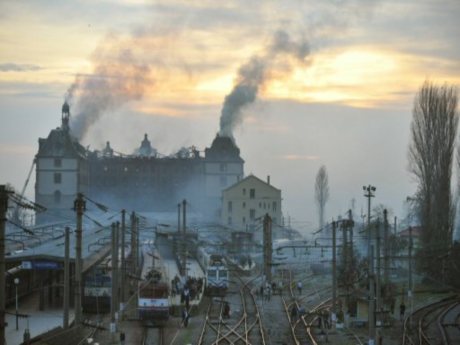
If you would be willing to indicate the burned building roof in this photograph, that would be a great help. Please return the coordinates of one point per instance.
(223, 148)
(60, 144)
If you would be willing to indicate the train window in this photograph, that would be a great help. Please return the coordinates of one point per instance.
(222, 273)
(212, 274)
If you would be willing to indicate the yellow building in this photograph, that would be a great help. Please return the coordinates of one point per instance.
(247, 201)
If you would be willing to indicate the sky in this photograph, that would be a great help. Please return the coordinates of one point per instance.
(165, 68)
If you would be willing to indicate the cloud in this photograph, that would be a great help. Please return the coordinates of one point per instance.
(14, 67)
(296, 157)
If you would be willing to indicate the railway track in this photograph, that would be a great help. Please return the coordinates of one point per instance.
(433, 323)
(302, 323)
(153, 336)
(243, 327)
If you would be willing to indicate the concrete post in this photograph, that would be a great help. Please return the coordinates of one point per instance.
(65, 323)
(79, 208)
(3, 209)
(371, 316)
(123, 260)
(184, 238)
(334, 272)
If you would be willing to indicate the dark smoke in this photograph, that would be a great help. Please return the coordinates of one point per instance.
(253, 75)
(117, 78)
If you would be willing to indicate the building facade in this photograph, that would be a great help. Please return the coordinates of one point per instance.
(245, 203)
(144, 181)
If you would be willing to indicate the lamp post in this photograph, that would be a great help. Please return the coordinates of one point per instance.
(16, 283)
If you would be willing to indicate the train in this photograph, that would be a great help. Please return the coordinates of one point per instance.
(216, 270)
(153, 290)
(97, 288)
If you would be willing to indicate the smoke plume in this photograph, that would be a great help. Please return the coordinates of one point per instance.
(254, 74)
(117, 78)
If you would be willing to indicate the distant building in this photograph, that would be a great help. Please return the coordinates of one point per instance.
(61, 172)
(246, 202)
(144, 181)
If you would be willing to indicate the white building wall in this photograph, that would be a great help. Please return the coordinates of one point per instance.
(237, 203)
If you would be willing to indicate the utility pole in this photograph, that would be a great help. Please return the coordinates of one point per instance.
(386, 248)
(370, 194)
(184, 238)
(66, 278)
(123, 261)
(378, 301)
(79, 207)
(114, 297)
(3, 208)
(178, 218)
(334, 272)
(371, 316)
(267, 248)
(409, 292)
(133, 244)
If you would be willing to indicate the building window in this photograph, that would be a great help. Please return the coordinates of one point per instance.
(230, 207)
(244, 220)
(57, 178)
(223, 167)
(252, 193)
(229, 220)
(274, 220)
(57, 197)
(125, 169)
(244, 191)
(274, 206)
(223, 181)
(252, 214)
(244, 204)
(57, 162)
(265, 206)
(260, 205)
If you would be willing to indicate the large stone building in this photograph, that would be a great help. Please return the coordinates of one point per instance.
(245, 203)
(144, 181)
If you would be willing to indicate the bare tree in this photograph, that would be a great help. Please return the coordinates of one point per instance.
(321, 193)
(434, 130)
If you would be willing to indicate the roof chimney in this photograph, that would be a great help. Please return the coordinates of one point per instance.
(268, 179)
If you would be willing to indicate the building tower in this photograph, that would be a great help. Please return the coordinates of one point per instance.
(61, 171)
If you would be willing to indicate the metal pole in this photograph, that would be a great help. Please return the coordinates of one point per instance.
(3, 208)
(16, 282)
(267, 241)
(377, 279)
(114, 285)
(79, 208)
(371, 316)
(178, 218)
(334, 271)
(66, 278)
(133, 243)
(386, 253)
(123, 260)
(409, 292)
(184, 238)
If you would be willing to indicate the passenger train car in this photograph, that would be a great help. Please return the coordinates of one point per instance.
(216, 269)
(153, 297)
(97, 291)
